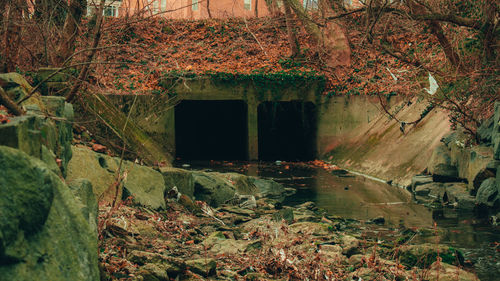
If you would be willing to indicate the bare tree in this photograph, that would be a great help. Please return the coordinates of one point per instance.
(12, 33)
(90, 57)
(292, 34)
(70, 30)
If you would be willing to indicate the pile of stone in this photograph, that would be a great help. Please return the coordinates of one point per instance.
(462, 175)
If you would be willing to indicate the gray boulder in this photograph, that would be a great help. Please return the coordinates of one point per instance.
(495, 137)
(29, 132)
(440, 165)
(488, 193)
(82, 189)
(480, 177)
(144, 184)
(269, 188)
(181, 178)
(212, 188)
(59, 108)
(22, 133)
(457, 195)
(43, 234)
(496, 146)
(485, 131)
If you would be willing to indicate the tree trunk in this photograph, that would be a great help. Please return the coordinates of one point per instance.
(93, 50)
(292, 36)
(12, 34)
(208, 9)
(310, 26)
(490, 12)
(256, 8)
(3, 5)
(437, 30)
(70, 30)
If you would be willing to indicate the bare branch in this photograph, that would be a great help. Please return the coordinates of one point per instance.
(9, 103)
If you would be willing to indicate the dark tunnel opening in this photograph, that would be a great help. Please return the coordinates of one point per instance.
(211, 130)
(287, 131)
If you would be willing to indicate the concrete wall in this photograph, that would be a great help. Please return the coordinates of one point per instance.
(353, 131)
(156, 116)
(356, 134)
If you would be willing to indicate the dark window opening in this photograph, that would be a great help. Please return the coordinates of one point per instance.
(287, 131)
(211, 130)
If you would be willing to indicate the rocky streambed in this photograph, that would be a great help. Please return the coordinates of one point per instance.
(265, 243)
(176, 224)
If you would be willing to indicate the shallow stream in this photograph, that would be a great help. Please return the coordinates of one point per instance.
(357, 197)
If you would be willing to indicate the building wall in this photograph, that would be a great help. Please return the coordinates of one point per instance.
(188, 9)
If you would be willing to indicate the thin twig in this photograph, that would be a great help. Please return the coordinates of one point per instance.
(255, 37)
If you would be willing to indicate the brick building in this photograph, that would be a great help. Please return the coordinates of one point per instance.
(196, 9)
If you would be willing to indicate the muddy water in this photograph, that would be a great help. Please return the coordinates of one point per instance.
(359, 198)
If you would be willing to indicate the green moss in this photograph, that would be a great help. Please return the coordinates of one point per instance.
(274, 83)
(424, 257)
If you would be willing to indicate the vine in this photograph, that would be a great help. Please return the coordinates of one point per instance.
(264, 82)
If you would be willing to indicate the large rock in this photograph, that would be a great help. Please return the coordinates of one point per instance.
(146, 185)
(172, 266)
(181, 178)
(243, 184)
(204, 266)
(458, 195)
(24, 134)
(495, 136)
(488, 193)
(485, 131)
(43, 234)
(212, 188)
(32, 131)
(18, 88)
(480, 177)
(440, 165)
(82, 189)
(269, 188)
(65, 113)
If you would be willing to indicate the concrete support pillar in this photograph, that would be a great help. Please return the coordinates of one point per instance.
(253, 130)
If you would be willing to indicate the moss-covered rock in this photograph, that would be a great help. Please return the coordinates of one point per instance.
(43, 233)
(204, 266)
(82, 189)
(22, 133)
(26, 194)
(47, 122)
(269, 188)
(146, 185)
(17, 88)
(64, 111)
(212, 188)
(425, 254)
